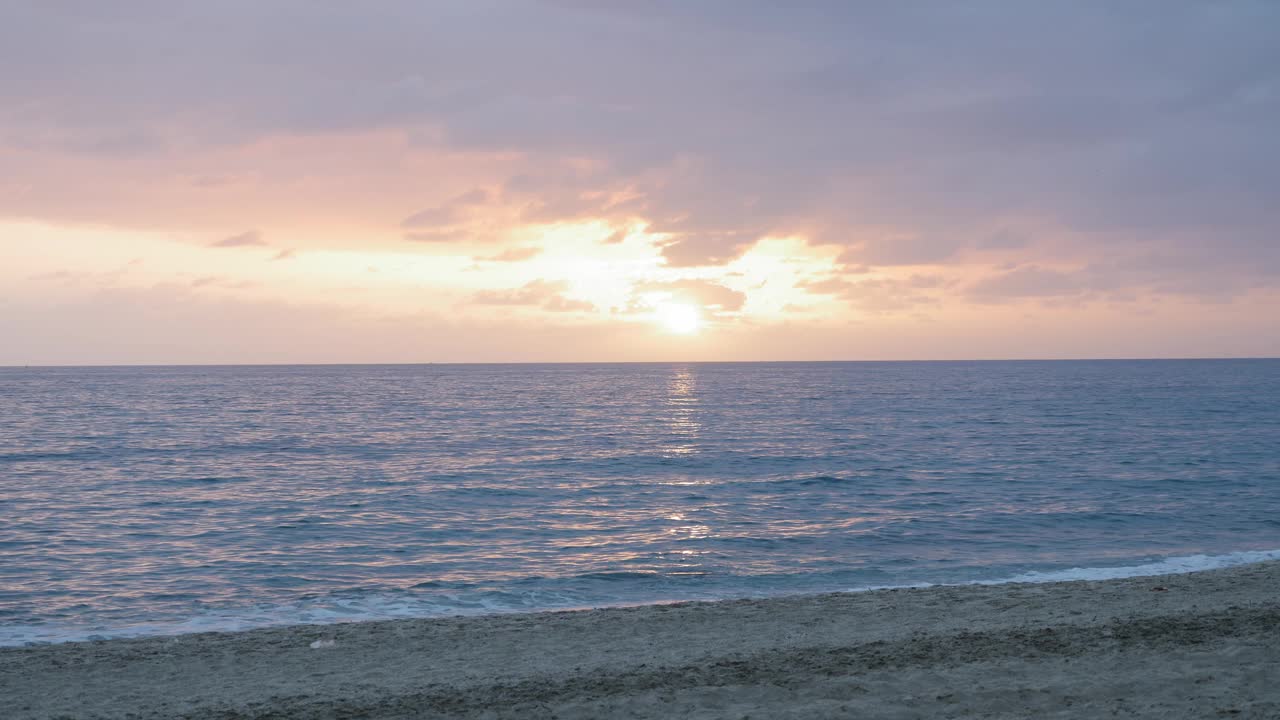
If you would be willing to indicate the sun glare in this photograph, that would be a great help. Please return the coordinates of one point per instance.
(680, 319)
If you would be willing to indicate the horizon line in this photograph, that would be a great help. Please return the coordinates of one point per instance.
(626, 362)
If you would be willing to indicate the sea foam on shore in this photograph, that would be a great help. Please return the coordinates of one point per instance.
(1197, 644)
(379, 606)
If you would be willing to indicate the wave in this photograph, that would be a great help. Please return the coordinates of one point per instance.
(461, 602)
(1167, 566)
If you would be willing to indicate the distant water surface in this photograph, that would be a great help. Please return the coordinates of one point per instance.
(169, 499)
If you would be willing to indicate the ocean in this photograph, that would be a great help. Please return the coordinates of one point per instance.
(157, 500)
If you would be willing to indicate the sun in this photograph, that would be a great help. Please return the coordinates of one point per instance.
(679, 318)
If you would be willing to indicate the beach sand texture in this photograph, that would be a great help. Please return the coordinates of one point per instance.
(1200, 645)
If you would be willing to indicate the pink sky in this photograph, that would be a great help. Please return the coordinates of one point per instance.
(399, 181)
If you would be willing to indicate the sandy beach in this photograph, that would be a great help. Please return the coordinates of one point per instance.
(1176, 646)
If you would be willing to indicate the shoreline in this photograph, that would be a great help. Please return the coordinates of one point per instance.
(1173, 565)
(1185, 645)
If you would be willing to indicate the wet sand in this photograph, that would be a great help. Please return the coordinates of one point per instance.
(1201, 645)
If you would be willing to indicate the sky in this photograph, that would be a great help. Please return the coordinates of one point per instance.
(294, 181)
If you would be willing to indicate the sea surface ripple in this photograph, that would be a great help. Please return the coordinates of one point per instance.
(138, 501)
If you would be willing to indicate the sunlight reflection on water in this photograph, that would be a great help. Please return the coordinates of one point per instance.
(254, 495)
(682, 407)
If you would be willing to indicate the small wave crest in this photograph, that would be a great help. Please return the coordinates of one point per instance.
(461, 602)
(1167, 566)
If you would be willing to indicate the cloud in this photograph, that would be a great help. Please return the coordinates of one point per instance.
(704, 293)
(220, 282)
(559, 303)
(1029, 281)
(881, 294)
(250, 238)
(695, 251)
(1003, 239)
(431, 217)
(1132, 142)
(547, 294)
(448, 213)
(901, 250)
(534, 292)
(516, 254)
(441, 236)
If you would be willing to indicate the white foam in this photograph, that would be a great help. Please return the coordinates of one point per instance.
(1168, 566)
(328, 612)
(385, 608)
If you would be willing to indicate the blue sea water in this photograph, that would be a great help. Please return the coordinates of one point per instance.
(152, 500)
